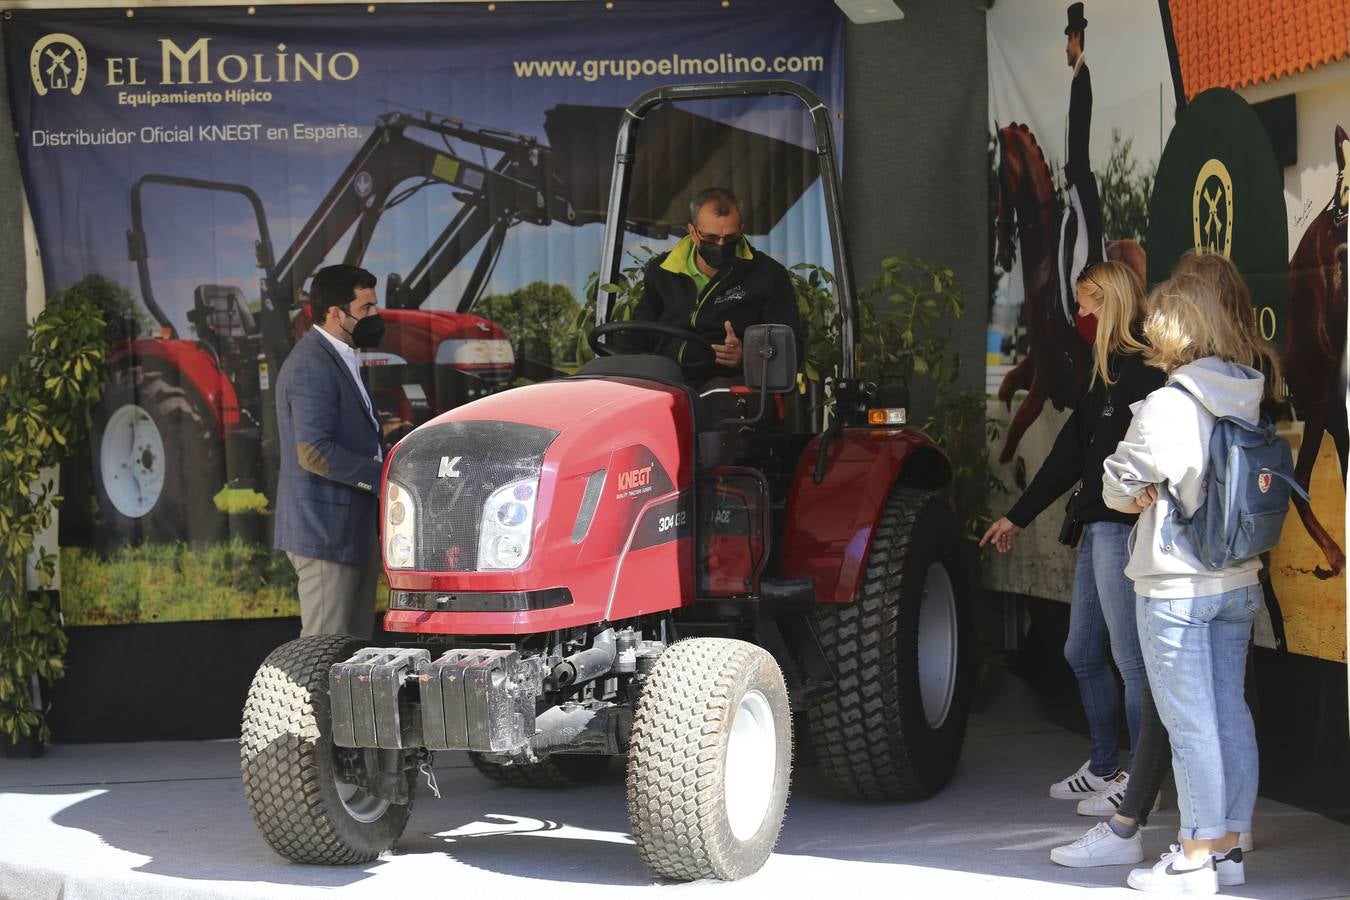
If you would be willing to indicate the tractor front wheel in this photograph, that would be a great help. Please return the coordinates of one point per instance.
(893, 726)
(710, 760)
(157, 461)
(310, 798)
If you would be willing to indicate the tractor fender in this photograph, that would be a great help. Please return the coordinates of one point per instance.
(190, 366)
(829, 525)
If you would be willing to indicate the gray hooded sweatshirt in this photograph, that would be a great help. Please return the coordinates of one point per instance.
(1167, 445)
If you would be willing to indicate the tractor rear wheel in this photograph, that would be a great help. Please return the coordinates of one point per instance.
(710, 760)
(307, 796)
(559, 770)
(157, 461)
(893, 727)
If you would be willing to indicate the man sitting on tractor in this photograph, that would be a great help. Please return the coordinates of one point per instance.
(714, 283)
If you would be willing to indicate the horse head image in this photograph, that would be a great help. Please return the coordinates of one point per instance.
(1312, 356)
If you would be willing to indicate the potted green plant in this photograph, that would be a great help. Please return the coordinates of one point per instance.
(44, 402)
(901, 317)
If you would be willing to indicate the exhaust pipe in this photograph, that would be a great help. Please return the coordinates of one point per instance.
(588, 664)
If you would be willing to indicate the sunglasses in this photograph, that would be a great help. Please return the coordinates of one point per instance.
(720, 239)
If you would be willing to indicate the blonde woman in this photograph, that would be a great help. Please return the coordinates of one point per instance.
(1101, 612)
(1194, 623)
(1237, 305)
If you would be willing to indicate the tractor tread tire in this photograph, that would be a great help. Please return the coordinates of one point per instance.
(559, 770)
(676, 775)
(869, 734)
(286, 754)
(186, 508)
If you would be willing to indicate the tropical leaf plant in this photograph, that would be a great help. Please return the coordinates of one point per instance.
(45, 398)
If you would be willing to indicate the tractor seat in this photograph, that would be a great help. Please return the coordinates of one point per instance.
(637, 365)
(222, 312)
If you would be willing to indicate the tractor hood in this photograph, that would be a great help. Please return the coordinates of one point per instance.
(538, 492)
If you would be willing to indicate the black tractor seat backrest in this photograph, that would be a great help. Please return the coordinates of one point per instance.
(222, 311)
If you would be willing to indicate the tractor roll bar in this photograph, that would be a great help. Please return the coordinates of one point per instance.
(620, 185)
(276, 337)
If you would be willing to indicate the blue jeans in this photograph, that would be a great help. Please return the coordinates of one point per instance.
(1101, 614)
(1196, 653)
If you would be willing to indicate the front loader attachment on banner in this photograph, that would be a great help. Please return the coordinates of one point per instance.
(679, 153)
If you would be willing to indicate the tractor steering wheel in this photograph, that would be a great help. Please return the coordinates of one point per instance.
(658, 328)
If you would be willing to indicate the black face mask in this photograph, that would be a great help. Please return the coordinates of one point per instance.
(716, 255)
(368, 332)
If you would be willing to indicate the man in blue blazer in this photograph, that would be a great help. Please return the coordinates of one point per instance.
(329, 432)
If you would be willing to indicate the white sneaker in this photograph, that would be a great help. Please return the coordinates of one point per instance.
(1228, 866)
(1165, 878)
(1100, 847)
(1105, 803)
(1080, 784)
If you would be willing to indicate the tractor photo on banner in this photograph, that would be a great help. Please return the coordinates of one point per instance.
(1175, 128)
(190, 169)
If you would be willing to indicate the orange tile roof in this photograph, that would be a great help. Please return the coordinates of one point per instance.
(1234, 43)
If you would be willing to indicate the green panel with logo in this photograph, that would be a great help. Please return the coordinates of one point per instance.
(1220, 189)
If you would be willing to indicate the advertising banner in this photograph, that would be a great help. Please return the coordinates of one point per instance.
(190, 169)
(1183, 126)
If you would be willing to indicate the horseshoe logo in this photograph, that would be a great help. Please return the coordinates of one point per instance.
(50, 65)
(1212, 226)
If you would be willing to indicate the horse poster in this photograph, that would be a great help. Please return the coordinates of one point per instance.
(1181, 126)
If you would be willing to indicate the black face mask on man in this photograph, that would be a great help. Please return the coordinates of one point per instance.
(368, 332)
(716, 255)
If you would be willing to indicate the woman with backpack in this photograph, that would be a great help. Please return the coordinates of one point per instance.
(1117, 841)
(1194, 622)
(1101, 612)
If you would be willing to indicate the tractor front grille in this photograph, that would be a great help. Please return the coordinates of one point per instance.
(451, 469)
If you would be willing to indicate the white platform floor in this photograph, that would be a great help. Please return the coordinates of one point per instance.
(168, 820)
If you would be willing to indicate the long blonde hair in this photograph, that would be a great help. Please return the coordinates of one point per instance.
(1188, 319)
(1120, 293)
(1250, 349)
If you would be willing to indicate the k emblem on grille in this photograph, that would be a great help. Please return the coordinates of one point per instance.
(449, 467)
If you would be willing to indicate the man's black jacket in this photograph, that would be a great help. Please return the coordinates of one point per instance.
(1090, 435)
(1076, 166)
(753, 288)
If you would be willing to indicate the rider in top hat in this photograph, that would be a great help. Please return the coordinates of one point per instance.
(1085, 247)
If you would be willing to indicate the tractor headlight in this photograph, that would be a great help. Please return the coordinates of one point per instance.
(471, 353)
(508, 520)
(400, 523)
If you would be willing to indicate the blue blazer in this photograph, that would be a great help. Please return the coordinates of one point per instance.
(328, 489)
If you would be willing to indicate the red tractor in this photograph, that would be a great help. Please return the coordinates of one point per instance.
(579, 570)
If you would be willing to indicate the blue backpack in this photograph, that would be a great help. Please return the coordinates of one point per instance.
(1249, 478)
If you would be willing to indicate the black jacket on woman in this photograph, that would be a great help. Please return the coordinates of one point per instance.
(1095, 427)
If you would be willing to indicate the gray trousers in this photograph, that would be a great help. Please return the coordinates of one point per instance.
(336, 598)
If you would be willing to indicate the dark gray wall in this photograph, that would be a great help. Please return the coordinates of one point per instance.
(915, 165)
(13, 285)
